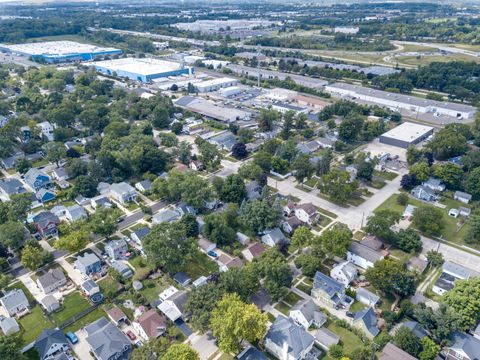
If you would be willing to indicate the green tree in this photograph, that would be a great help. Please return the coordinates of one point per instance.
(258, 215)
(449, 173)
(380, 223)
(86, 186)
(435, 258)
(11, 347)
(267, 119)
(337, 185)
(104, 221)
(200, 304)
(74, 241)
(430, 349)
(273, 268)
(55, 151)
(406, 340)
(336, 352)
(421, 170)
(302, 168)
(184, 152)
(180, 352)
(233, 321)
(409, 241)
(447, 143)
(23, 165)
(263, 159)
(391, 277)
(4, 280)
(464, 298)
(151, 350)
(413, 155)
(473, 233)
(428, 220)
(190, 223)
(168, 246)
(472, 183)
(233, 189)
(33, 256)
(301, 238)
(334, 241)
(12, 235)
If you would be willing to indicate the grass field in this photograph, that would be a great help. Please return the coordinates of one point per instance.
(199, 265)
(72, 305)
(33, 324)
(108, 285)
(283, 308)
(425, 60)
(349, 340)
(291, 298)
(385, 175)
(153, 288)
(87, 319)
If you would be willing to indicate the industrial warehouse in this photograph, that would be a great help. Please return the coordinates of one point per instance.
(60, 51)
(144, 70)
(406, 134)
(212, 110)
(402, 102)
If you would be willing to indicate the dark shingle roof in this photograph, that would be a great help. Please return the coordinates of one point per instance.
(285, 330)
(47, 338)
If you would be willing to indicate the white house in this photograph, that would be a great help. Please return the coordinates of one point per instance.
(15, 302)
(344, 273)
(273, 237)
(362, 255)
(307, 213)
(305, 313)
(46, 129)
(150, 325)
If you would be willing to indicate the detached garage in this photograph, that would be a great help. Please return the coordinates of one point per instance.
(406, 134)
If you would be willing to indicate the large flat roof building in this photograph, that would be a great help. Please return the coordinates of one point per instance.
(60, 51)
(406, 134)
(215, 84)
(402, 102)
(212, 110)
(144, 70)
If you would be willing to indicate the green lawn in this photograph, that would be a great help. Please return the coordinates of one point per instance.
(292, 298)
(311, 182)
(305, 288)
(72, 305)
(33, 324)
(199, 265)
(349, 340)
(399, 254)
(87, 319)
(141, 266)
(153, 288)
(283, 308)
(357, 306)
(377, 183)
(108, 285)
(386, 175)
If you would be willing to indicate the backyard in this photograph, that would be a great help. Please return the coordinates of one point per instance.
(72, 305)
(33, 324)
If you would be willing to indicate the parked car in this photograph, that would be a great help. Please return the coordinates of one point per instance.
(72, 337)
(212, 254)
(131, 335)
(350, 314)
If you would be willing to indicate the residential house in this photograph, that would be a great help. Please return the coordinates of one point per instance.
(90, 287)
(150, 325)
(242, 238)
(408, 213)
(251, 353)
(325, 338)
(46, 224)
(326, 143)
(273, 237)
(185, 209)
(9, 325)
(344, 273)
(116, 315)
(173, 307)
(416, 328)
(51, 280)
(50, 303)
(373, 242)
(463, 211)
(182, 279)
(289, 225)
(451, 273)
(225, 262)
(139, 234)
(462, 196)
(366, 320)
(305, 313)
(11, 161)
(74, 213)
(45, 195)
(288, 341)
(434, 184)
(362, 255)
(100, 201)
(88, 264)
(166, 216)
(116, 249)
(60, 174)
(46, 130)
(327, 291)
(224, 141)
(15, 302)
(51, 343)
(144, 185)
(253, 251)
(106, 341)
(307, 213)
(202, 280)
(464, 347)
(254, 190)
(366, 297)
(10, 187)
(289, 208)
(417, 264)
(123, 192)
(392, 352)
(196, 165)
(36, 179)
(423, 193)
(122, 268)
(444, 283)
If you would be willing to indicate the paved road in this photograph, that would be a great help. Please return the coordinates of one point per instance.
(451, 253)
(354, 217)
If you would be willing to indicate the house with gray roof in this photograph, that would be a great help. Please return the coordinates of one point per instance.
(9, 325)
(366, 297)
(325, 338)
(15, 302)
(305, 313)
(464, 347)
(88, 264)
(416, 328)
(224, 141)
(144, 185)
(106, 341)
(366, 320)
(273, 237)
(46, 223)
(122, 268)
(9, 187)
(457, 270)
(166, 216)
(116, 249)
(434, 184)
(251, 353)
(139, 234)
(173, 306)
(462, 196)
(423, 193)
(51, 280)
(120, 192)
(327, 291)
(362, 255)
(288, 341)
(345, 272)
(50, 303)
(36, 179)
(51, 343)
(74, 213)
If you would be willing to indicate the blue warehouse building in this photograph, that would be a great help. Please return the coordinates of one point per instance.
(60, 51)
(144, 70)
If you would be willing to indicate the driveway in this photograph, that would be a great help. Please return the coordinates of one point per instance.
(204, 345)
(32, 287)
(81, 348)
(184, 328)
(73, 274)
(451, 253)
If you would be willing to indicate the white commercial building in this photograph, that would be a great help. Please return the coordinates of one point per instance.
(347, 29)
(215, 84)
(399, 102)
(406, 134)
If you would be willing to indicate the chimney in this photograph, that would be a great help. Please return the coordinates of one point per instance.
(284, 351)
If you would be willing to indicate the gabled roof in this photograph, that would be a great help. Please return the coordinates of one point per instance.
(466, 343)
(12, 186)
(307, 307)
(106, 340)
(256, 249)
(284, 330)
(463, 195)
(416, 328)
(32, 175)
(365, 252)
(251, 353)
(116, 314)
(152, 323)
(372, 241)
(275, 234)
(392, 352)
(309, 208)
(457, 270)
(142, 232)
(369, 318)
(44, 218)
(327, 284)
(326, 337)
(47, 338)
(87, 259)
(13, 298)
(372, 298)
(51, 277)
